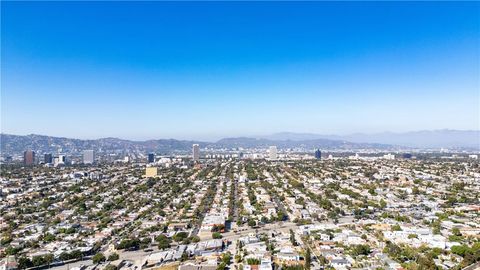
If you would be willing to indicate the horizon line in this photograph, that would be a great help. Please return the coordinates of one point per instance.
(243, 136)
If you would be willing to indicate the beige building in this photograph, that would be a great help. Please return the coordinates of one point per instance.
(150, 171)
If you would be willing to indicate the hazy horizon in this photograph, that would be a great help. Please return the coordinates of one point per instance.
(191, 70)
(258, 136)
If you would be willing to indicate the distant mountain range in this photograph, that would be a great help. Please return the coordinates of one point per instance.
(445, 138)
(246, 142)
(16, 144)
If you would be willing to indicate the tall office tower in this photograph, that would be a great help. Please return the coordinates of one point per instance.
(60, 160)
(151, 158)
(88, 157)
(48, 158)
(318, 154)
(196, 152)
(29, 157)
(272, 152)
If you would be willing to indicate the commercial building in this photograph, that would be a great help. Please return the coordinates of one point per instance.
(318, 154)
(272, 152)
(196, 152)
(389, 156)
(48, 158)
(212, 219)
(88, 157)
(60, 160)
(151, 171)
(29, 157)
(151, 158)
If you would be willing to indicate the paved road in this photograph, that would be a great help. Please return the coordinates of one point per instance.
(280, 205)
(235, 204)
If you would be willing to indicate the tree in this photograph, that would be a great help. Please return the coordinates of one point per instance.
(195, 239)
(322, 260)
(218, 228)
(24, 262)
(64, 256)
(48, 258)
(383, 204)
(460, 250)
(253, 261)
(178, 237)
(426, 262)
(226, 257)
(264, 219)
(216, 235)
(281, 216)
(396, 227)
(76, 254)
(113, 257)
(292, 238)
(38, 261)
(412, 235)
(145, 242)
(129, 244)
(436, 227)
(163, 241)
(98, 258)
(6, 240)
(221, 266)
(308, 259)
(110, 267)
(360, 250)
(11, 250)
(48, 237)
(392, 249)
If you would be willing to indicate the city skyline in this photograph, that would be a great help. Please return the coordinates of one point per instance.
(208, 72)
(213, 135)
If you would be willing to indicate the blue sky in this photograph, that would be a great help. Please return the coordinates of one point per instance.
(193, 70)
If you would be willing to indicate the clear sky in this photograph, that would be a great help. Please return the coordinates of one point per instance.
(194, 70)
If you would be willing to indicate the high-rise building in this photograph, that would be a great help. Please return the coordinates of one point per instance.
(151, 158)
(272, 152)
(29, 157)
(60, 160)
(48, 158)
(196, 152)
(318, 154)
(88, 157)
